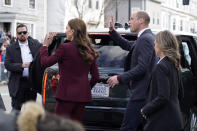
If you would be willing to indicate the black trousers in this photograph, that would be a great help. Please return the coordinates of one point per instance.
(132, 118)
(2, 106)
(25, 93)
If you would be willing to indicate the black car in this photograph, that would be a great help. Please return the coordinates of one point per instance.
(106, 110)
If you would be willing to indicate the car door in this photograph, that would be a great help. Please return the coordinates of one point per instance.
(108, 104)
(188, 53)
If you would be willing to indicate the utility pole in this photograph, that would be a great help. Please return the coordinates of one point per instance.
(129, 10)
(116, 10)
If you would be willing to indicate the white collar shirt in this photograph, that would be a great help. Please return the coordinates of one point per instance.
(26, 56)
(160, 59)
(140, 33)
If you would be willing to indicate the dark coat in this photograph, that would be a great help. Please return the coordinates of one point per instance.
(2, 106)
(142, 60)
(162, 109)
(13, 63)
(74, 84)
(36, 72)
(7, 121)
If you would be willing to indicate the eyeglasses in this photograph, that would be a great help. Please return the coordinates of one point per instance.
(22, 32)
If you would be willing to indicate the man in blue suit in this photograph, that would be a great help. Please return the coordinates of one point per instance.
(142, 61)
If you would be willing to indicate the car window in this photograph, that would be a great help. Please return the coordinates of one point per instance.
(111, 55)
(186, 52)
(195, 38)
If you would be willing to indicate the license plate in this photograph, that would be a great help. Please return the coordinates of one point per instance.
(100, 90)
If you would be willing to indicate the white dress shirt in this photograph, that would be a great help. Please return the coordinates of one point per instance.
(160, 59)
(139, 34)
(26, 56)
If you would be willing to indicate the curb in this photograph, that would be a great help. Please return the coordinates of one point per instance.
(3, 82)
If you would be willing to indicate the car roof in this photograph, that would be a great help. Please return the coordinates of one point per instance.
(183, 33)
(105, 31)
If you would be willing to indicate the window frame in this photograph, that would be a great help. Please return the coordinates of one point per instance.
(11, 3)
(29, 5)
(90, 4)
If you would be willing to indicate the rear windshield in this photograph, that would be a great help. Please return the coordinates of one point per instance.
(111, 55)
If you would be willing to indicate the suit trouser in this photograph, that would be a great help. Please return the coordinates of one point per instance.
(132, 117)
(69, 109)
(24, 94)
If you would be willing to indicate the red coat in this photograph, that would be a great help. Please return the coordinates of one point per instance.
(74, 84)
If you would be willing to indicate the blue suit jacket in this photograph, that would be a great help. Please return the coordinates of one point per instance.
(143, 60)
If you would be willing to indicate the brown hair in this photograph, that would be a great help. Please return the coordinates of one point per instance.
(167, 42)
(33, 117)
(82, 40)
(143, 15)
(20, 26)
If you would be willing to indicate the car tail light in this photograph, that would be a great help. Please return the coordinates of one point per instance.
(44, 88)
(55, 81)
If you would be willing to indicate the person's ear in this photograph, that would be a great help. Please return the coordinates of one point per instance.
(72, 31)
(141, 20)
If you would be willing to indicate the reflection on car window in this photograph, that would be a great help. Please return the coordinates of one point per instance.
(111, 56)
(186, 52)
(195, 38)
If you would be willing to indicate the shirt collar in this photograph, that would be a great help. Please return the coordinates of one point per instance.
(160, 59)
(140, 33)
(24, 44)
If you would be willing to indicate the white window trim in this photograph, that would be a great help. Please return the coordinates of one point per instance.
(35, 5)
(8, 5)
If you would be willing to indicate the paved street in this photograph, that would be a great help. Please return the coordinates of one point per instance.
(6, 97)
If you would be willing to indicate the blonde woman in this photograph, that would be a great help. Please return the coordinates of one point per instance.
(162, 110)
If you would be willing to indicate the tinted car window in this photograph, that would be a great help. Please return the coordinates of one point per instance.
(111, 55)
(195, 38)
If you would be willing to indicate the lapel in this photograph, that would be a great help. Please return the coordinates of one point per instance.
(18, 52)
(31, 47)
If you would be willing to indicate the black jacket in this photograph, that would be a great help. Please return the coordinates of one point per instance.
(13, 63)
(162, 109)
(36, 73)
(7, 121)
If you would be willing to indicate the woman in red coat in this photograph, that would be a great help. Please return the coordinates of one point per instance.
(76, 60)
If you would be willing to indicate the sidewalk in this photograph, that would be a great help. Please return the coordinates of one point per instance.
(3, 82)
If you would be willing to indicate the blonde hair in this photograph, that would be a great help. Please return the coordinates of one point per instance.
(168, 44)
(33, 117)
(27, 119)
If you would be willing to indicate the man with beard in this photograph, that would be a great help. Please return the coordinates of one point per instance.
(141, 62)
(19, 56)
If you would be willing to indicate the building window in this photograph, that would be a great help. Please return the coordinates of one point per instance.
(154, 19)
(192, 28)
(181, 25)
(158, 15)
(90, 3)
(32, 4)
(75, 2)
(174, 24)
(8, 2)
(97, 5)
